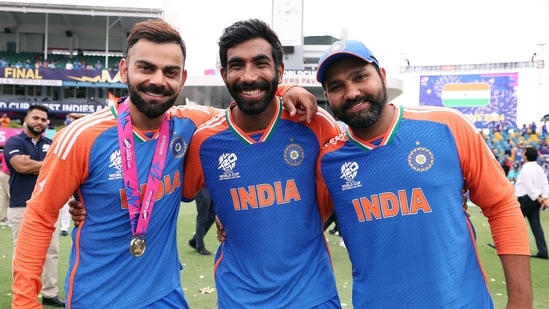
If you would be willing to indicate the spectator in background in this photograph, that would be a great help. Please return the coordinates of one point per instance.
(544, 129)
(4, 190)
(519, 152)
(544, 149)
(28, 64)
(524, 130)
(5, 121)
(204, 220)
(533, 128)
(532, 189)
(508, 148)
(69, 65)
(77, 65)
(19, 64)
(98, 65)
(513, 173)
(3, 63)
(506, 165)
(546, 168)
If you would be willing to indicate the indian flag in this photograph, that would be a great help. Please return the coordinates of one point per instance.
(466, 95)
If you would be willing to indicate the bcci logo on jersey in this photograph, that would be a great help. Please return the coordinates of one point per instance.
(115, 164)
(293, 155)
(178, 147)
(348, 172)
(421, 159)
(227, 162)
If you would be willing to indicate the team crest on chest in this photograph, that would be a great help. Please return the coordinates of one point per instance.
(294, 154)
(421, 159)
(178, 146)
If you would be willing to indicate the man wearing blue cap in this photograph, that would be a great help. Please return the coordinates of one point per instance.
(395, 179)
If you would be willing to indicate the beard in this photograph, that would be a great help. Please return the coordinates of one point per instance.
(254, 107)
(150, 109)
(366, 117)
(35, 132)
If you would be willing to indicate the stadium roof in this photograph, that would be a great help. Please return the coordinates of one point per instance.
(28, 17)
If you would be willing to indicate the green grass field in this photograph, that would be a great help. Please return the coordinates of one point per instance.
(198, 275)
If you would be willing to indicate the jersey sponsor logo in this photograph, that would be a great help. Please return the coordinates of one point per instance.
(178, 147)
(391, 204)
(349, 171)
(167, 185)
(45, 147)
(265, 195)
(293, 154)
(421, 159)
(115, 165)
(227, 162)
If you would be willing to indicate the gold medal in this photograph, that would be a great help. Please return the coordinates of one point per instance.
(138, 245)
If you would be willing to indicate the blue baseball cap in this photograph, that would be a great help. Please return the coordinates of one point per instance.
(342, 49)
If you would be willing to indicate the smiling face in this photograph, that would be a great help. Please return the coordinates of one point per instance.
(251, 75)
(36, 122)
(155, 76)
(356, 91)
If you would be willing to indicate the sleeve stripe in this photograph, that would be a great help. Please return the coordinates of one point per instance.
(68, 138)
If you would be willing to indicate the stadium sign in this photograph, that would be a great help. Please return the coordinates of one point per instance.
(55, 107)
(302, 78)
(59, 77)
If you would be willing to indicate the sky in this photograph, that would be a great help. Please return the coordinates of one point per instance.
(423, 31)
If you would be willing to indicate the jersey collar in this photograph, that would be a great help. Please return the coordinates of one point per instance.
(245, 137)
(383, 140)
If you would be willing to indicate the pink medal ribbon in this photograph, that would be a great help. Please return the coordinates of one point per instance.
(140, 210)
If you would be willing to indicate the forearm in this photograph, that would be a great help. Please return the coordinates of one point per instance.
(27, 166)
(519, 282)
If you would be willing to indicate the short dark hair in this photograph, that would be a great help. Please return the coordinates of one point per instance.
(531, 153)
(157, 31)
(37, 106)
(245, 30)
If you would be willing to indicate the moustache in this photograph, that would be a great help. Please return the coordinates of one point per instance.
(155, 89)
(250, 86)
(350, 103)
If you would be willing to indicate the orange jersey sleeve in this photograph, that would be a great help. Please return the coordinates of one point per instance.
(193, 178)
(486, 182)
(283, 88)
(64, 169)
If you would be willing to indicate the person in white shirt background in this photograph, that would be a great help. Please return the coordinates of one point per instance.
(532, 191)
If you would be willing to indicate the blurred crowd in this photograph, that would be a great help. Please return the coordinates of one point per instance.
(509, 144)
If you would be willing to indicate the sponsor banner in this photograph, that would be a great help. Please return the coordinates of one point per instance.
(57, 77)
(485, 99)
